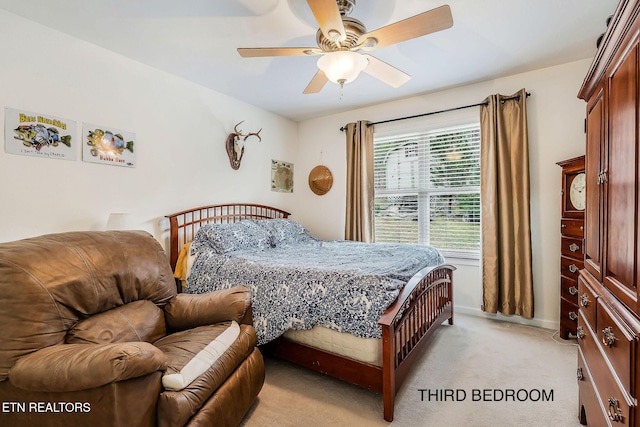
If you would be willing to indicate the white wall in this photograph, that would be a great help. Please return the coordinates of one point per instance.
(556, 132)
(180, 132)
(181, 161)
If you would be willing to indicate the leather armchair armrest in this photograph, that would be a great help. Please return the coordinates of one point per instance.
(186, 311)
(73, 367)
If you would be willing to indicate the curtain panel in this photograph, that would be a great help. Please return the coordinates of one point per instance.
(359, 224)
(507, 278)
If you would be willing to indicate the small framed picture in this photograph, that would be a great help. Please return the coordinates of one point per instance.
(39, 135)
(109, 146)
(281, 176)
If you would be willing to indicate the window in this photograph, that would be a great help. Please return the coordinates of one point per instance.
(427, 189)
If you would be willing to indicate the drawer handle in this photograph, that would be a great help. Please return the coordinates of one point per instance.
(615, 413)
(573, 247)
(584, 300)
(573, 290)
(573, 315)
(563, 226)
(580, 375)
(580, 332)
(608, 337)
(573, 268)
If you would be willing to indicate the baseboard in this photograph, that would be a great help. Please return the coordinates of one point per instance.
(539, 323)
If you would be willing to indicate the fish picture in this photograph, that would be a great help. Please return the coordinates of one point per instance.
(107, 143)
(38, 136)
(108, 146)
(33, 134)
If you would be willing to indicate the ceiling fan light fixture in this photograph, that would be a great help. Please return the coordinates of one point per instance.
(342, 66)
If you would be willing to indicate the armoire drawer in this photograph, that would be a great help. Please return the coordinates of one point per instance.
(615, 402)
(617, 343)
(590, 413)
(587, 301)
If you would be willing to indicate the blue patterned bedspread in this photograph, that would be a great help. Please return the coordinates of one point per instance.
(342, 285)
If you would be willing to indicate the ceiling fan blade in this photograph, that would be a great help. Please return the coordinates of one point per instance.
(434, 20)
(317, 83)
(385, 72)
(328, 16)
(277, 51)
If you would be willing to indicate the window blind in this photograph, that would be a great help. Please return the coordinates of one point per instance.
(427, 189)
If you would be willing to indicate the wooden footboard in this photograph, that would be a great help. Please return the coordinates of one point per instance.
(424, 304)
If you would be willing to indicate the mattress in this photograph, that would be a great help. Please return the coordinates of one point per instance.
(367, 350)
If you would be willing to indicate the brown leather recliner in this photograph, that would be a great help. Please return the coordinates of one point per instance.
(92, 333)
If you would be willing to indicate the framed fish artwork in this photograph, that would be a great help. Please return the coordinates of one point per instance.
(109, 146)
(40, 135)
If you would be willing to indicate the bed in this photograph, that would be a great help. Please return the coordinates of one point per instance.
(422, 303)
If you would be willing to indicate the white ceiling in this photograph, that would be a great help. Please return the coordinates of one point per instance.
(197, 40)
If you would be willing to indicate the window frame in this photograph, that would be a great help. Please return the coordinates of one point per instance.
(430, 124)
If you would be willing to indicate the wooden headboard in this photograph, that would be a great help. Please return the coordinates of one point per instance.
(184, 225)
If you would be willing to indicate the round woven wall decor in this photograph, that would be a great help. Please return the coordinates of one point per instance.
(320, 180)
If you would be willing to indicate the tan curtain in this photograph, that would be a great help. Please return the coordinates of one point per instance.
(359, 216)
(507, 279)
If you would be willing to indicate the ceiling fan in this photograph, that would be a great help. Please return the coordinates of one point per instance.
(341, 38)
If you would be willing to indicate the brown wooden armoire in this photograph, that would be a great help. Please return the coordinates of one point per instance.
(608, 317)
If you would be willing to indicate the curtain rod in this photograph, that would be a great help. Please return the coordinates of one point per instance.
(517, 97)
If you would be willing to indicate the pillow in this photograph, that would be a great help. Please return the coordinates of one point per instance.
(183, 264)
(225, 238)
(285, 231)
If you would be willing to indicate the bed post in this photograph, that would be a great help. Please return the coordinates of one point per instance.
(388, 371)
(450, 290)
(173, 242)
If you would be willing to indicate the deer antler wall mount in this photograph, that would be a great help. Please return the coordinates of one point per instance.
(235, 145)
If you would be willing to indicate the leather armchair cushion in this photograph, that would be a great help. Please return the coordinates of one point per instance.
(186, 311)
(136, 321)
(202, 360)
(176, 407)
(73, 367)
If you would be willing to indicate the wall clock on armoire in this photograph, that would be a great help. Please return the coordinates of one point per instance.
(572, 247)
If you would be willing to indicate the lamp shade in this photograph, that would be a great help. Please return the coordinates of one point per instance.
(120, 221)
(342, 66)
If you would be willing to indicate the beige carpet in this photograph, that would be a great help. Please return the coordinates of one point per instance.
(473, 355)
